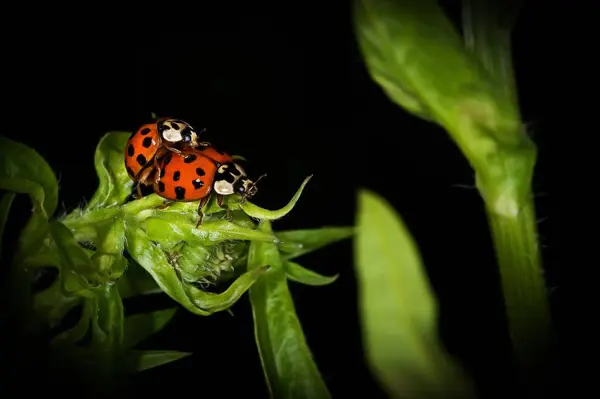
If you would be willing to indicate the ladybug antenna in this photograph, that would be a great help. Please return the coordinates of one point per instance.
(260, 177)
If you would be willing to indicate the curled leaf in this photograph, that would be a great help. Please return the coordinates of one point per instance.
(302, 275)
(154, 260)
(115, 185)
(265, 214)
(138, 327)
(23, 170)
(299, 242)
(287, 361)
(398, 309)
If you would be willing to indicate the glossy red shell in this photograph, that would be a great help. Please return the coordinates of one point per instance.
(215, 155)
(141, 148)
(185, 177)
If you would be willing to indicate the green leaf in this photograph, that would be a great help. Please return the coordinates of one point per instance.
(138, 327)
(144, 360)
(407, 40)
(108, 258)
(108, 322)
(78, 332)
(23, 170)
(136, 281)
(288, 364)
(154, 260)
(299, 242)
(5, 204)
(115, 184)
(169, 231)
(398, 309)
(265, 214)
(76, 264)
(300, 274)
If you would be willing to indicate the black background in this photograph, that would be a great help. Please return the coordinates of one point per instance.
(291, 94)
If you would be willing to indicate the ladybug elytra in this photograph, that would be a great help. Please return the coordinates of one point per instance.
(151, 142)
(194, 174)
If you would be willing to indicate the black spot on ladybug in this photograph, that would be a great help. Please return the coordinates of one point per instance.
(162, 173)
(176, 175)
(130, 150)
(174, 126)
(220, 152)
(161, 187)
(130, 172)
(145, 131)
(141, 160)
(168, 159)
(200, 172)
(190, 158)
(235, 171)
(197, 183)
(228, 177)
(147, 142)
(180, 192)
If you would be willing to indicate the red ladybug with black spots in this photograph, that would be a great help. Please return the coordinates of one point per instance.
(152, 141)
(194, 174)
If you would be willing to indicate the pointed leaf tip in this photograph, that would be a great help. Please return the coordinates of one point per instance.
(266, 214)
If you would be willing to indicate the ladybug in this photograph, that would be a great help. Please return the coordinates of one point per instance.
(151, 141)
(192, 175)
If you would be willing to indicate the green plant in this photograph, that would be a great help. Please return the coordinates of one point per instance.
(112, 249)
(466, 86)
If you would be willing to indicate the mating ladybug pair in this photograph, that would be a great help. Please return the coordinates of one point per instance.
(167, 155)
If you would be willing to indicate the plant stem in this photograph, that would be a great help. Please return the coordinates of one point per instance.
(487, 33)
(515, 241)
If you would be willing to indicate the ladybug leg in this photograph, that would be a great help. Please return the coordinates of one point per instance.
(227, 211)
(143, 179)
(203, 202)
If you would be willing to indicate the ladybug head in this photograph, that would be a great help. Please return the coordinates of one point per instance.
(190, 138)
(248, 188)
(176, 131)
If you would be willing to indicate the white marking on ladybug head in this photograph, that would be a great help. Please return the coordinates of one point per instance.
(223, 187)
(172, 135)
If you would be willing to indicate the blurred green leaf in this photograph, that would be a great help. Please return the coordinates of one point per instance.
(300, 274)
(266, 214)
(406, 40)
(144, 360)
(5, 204)
(299, 242)
(487, 26)
(398, 309)
(138, 327)
(115, 184)
(23, 170)
(289, 368)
